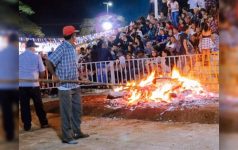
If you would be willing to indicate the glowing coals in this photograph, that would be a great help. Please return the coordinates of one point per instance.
(148, 90)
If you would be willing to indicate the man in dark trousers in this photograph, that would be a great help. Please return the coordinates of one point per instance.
(8, 85)
(31, 67)
(64, 59)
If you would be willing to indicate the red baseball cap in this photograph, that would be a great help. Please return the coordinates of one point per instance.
(68, 30)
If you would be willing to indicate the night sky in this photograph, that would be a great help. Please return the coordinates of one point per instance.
(52, 15)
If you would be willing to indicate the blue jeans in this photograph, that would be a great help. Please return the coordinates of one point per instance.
(70, 112)
(175, 18)
(101, 73)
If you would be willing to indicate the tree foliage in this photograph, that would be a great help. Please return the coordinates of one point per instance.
(87, 27)
(23, 8)
(14, 15)
(27, 26)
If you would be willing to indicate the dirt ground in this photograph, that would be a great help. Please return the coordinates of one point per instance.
(122, 134)
(200, 111)
(228, 141)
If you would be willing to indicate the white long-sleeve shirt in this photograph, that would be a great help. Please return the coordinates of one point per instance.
(193, 4)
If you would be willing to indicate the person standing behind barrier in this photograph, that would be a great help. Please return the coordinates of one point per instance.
(152, 64)
(165, 65)
(64, 59)
(120, 67)
(31, 67)
(162, 39)
(129, 67)
(174, 6)
(173, 46)
(206, 44)
(103, 54)
(183, 37)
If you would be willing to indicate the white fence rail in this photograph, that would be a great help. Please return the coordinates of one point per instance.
(116, 72)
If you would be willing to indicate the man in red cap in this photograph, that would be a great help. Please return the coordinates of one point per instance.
(64, 60)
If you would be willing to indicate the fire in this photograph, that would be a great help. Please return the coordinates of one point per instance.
(188, 84)
(176, 74)
(161, 93)
(148, 81)
(134, 96)
(164, 90)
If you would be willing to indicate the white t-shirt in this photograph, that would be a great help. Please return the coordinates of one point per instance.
(170, 45)
(174, 6)
(193, 4)
(122, 60)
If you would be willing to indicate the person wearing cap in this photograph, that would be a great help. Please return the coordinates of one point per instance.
(64, 60)
(31, 67)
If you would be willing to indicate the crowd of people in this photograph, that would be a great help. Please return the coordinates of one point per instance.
(182, 31)
(192, 31)
(176, 31)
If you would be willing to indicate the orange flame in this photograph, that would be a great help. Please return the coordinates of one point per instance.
(146, 90)
(134, 96)
(148, 80)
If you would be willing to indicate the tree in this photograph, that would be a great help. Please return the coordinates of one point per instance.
(87, 27)
(26, 25)
(25, 9)
(14, 17)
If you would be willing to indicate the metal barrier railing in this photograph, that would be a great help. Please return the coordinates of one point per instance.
(204, 68)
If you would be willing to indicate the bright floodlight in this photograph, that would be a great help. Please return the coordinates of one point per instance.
(109, 3)
(107, 26)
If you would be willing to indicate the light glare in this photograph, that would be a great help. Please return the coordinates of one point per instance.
(107, 26)
(110, 4)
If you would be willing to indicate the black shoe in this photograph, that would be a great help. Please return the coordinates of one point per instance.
(10, 137)
(27, 128)
(80, 135)
(45, 126)
(70, 142)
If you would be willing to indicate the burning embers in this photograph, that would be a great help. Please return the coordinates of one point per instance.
(154, 90)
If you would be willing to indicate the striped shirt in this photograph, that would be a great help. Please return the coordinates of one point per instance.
(64, 58)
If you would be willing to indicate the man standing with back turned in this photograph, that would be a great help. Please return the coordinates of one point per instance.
(31, 67)
(65, 62)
